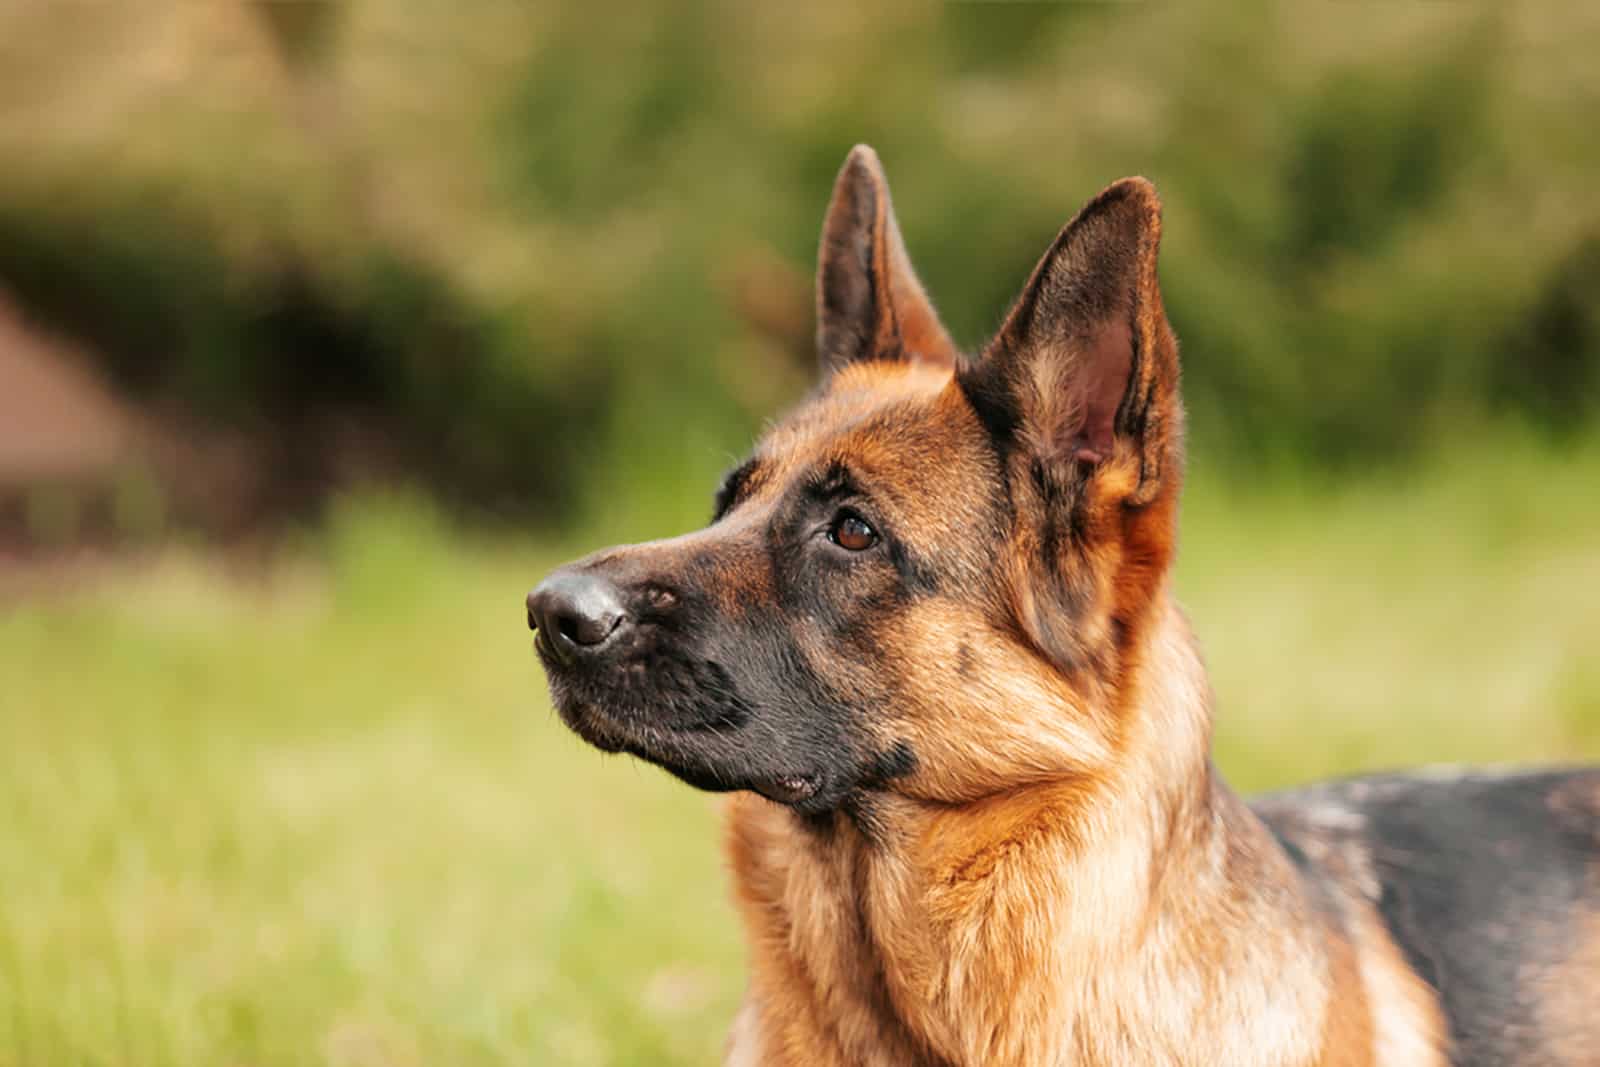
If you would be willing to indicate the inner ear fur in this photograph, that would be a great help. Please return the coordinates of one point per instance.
(1084, 369)
(870, 304)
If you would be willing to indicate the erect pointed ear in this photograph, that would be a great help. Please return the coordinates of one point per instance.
(869, 302)
(1083, 374)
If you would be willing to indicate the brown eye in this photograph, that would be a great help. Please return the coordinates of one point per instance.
(853, 532)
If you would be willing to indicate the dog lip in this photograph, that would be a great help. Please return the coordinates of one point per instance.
(594, 726)
(598, 726)
(551, 656)
(790, 788)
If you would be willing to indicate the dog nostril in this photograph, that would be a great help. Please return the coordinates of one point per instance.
(576, 612)
(589, 628)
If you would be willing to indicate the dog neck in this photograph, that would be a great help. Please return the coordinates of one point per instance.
(1143, 916)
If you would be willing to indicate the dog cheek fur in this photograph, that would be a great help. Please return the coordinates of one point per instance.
(968, 700)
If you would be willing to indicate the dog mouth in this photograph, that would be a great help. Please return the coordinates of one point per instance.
(792, 789)
(669, 750)
(707, 758)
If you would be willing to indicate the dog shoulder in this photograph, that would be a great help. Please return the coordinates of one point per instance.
(1486, 891)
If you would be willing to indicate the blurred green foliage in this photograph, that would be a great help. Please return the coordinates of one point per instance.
(560, 255)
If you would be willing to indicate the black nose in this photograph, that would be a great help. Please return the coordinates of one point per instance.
(576, 612)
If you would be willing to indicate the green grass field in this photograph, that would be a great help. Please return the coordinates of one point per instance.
(323, 814)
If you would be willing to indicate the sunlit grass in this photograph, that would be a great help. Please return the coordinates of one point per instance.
(326, 816)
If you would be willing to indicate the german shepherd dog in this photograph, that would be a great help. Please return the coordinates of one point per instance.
(929, 643)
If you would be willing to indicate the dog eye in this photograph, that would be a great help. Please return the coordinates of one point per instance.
(853, 532)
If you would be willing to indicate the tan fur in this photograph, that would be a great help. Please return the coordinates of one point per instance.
(1407, 1025)
(1141, 915)
(1347, 1038)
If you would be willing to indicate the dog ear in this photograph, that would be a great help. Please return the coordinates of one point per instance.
(869, 302)
(1083, 374)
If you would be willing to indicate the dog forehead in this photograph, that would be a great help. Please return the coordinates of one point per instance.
(903, 426)
(852, 394)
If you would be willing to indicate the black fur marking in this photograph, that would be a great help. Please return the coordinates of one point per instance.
(710, 681)
(833, 482)
(991, 399)
(899, 761)
(1043, 484)
(916, 577)
(864, 806)
(1322, 893)
(1121, 633)
(733, 486)
(1049, 496)
(1478, 884)
(1479, 887)
(1297, 855)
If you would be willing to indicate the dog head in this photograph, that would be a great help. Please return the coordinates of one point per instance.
(933, 576)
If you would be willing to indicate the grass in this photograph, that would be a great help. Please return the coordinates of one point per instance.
(322, 814)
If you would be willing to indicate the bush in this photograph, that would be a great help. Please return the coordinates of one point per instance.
(527, 246)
